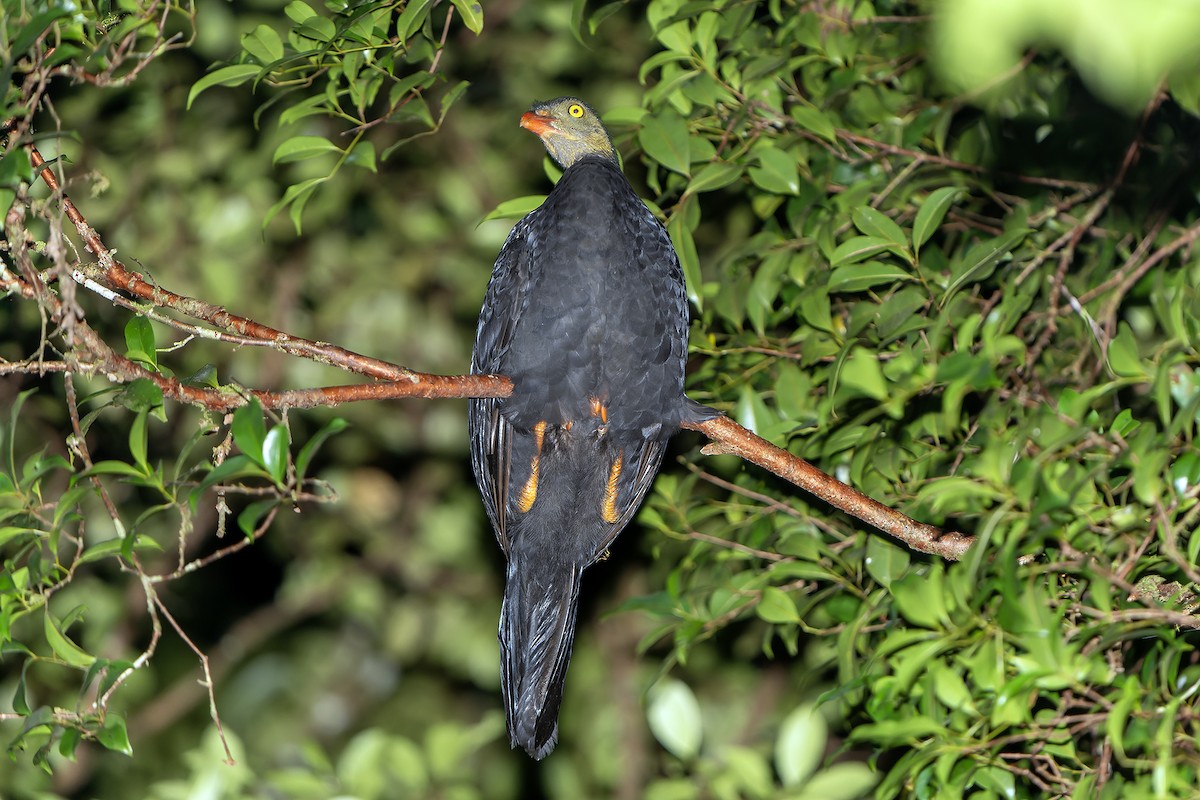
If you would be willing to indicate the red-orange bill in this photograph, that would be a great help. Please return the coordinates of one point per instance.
(535, 122)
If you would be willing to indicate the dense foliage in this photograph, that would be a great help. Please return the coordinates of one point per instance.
(976, 304)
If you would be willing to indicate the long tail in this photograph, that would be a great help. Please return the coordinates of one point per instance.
(537, 629)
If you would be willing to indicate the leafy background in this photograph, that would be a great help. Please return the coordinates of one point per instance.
(964, 285)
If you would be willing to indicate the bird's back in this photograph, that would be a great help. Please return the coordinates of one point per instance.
(604, 317)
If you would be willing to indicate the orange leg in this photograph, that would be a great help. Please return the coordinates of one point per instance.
(529, 491)
(608, 509)
(599, 410)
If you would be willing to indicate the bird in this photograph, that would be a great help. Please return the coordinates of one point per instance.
(586, 313)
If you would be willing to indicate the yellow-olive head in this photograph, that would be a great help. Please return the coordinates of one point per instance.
(569, 129)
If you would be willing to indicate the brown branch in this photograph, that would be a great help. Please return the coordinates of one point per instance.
(729, 437)
(118, 276)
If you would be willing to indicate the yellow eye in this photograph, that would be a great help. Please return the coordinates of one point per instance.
(575, 110)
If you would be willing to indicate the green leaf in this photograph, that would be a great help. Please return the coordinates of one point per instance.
(1123, 355)
(317, 28)
(919, 597)
(233, 75)
(35, 28)
(250, 432)
(264, 44)
(63, 647)
(893, 732)
(42, 717)
(981, 260)
(674, 717)
(950, 687)
(413, 17)
(299, 148)
(858, 248)
(9, 533)
(102, 550)
(873, 222)
(886, 562)
(204, 376)
(112, 468)
(471, 13)
(232, 468)
(604, 12)
(140, 395)
(714, 175)
(689, 259)
(516, 208)
(859, 277)
(138, 441)
(20, 701)
(114, 735)
(664, 138)
(298, 11)
(308, 107)
(253, 514)
(776, 606)
(751, 412)
(931, 213)
(1118, 716)
(999, 780)
(15, 169)
(71, 737)
(845, 781)
(861, 372)
(655, 62)
(451, 97)
(296, 196)
(275, 453)
(800, 746)
(363, 155)
(816, 122)
(310, 448)
(776, 171)
(139, 342)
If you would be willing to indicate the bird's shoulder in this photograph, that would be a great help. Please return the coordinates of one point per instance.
(591, 176)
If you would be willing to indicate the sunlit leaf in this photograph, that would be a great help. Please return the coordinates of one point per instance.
(299, 148)
(674, 717)
(777, 606)
(472, 14)
(63, 647)
(264, 44)
(800, 745)
(931, 213)
(275, 453)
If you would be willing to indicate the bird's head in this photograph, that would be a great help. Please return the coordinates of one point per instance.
(570, 130)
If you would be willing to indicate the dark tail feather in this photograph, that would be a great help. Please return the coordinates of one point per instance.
(537, 629)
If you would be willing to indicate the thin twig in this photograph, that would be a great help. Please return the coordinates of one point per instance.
(207, 683)
(118, 276)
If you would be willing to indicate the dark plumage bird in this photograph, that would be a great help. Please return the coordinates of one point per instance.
(586, 313)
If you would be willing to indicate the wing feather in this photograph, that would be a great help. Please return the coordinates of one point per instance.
(490, 432)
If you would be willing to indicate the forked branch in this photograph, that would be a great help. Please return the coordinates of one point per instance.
(108, 276)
